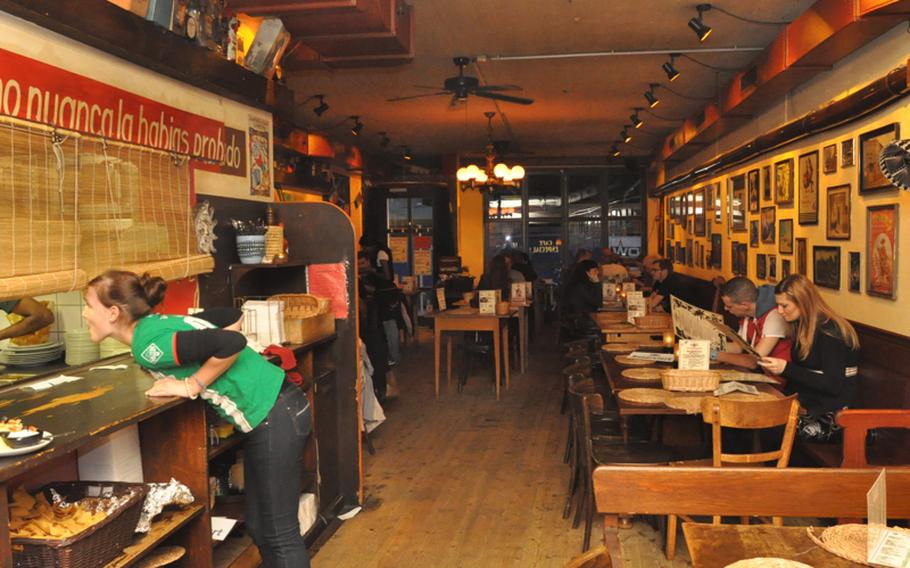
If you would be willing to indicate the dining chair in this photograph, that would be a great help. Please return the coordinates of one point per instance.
(755, 415)
(595, 558)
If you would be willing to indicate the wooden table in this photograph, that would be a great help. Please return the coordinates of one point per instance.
(411, 301)
(716, 546)
(469, 319)
(617, 329)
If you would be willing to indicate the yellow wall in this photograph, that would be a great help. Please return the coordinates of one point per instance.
(871, 62)
(470, 231)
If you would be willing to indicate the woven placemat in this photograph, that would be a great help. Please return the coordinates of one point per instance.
(619, 347)
(642, 374)
(767, 563)
(161, 556)
(847, 541)
(688, 403)
(643, 396)
(744, 396)
(631, 362)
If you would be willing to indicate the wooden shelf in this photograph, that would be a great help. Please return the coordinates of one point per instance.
(167, 524)
(226, 444)
(239, 552)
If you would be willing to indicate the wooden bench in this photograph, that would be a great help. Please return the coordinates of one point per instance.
(742, 492)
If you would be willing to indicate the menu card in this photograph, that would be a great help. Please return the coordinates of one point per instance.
(441, 298)
(734, 386)
(609, 292)
(637, 306)
(529, 291)
(518, 294)
(628, 286)
(488, 299)
(694, 354)
(884, 547)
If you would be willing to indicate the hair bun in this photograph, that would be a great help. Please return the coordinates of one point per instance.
(154, 287)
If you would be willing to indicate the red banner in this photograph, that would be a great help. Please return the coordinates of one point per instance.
(39, 92)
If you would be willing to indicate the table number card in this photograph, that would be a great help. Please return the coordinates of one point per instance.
(518, 297)
(694, 354)
(441, 298)
(884, 547)
(488, 300)
(636, 304)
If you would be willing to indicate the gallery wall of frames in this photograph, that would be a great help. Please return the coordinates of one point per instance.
(819, 207)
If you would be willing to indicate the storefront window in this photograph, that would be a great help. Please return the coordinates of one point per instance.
(544, 195)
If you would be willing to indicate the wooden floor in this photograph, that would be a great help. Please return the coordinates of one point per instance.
(467, 481)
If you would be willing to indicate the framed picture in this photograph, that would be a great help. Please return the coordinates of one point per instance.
(808, 188)
(826, 266)
(752, 188)
(689, 252)
(838, 222)
(738, 258)
(717, 252)
(753, 234)
(784, 268)
(679, 253)
(881, 250)
(772, 267)
(783, 182)
(766, 184)
(768, 223)
(829, 158)
(846, 153)
(718, 204)
(690, 204)
(785, 236)
(738, 204)
(761, 267)
(668, 251)
(801, 258)
(853, 274)
(700, 212)
(871, 143)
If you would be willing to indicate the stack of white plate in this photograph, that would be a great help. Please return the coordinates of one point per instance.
(80, 349)
(111, 347)
(31, 355)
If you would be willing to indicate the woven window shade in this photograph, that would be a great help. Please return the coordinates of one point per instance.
(74, 206)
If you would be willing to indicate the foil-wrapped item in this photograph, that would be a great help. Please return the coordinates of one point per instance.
(161, 495)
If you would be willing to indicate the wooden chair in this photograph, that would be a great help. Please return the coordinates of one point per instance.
(857, 423)
(722, 413)
(581, 366)
(595, 558)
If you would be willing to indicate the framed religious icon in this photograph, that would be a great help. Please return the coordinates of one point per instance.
(785, 236)
(772, 267)
(766, 185)
(801, 257)
(783, 182)
(807, 184)
(829, 158)
(871, 143)
(753, 190)
(784, 268)
(768, 224)
(761, 266)
(846, 153)
(738, 204)
(826, 266)
(700, 212)
(837, 226)
(881, 250)
(853, 272)
(753, 233)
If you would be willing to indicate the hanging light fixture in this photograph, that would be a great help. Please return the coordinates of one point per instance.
(406, 153)
(614, 150)
(492, 175)
(653, 101)
(670, 69)
(636, 121)
(624, 135)
(701, 29)
(358, 126)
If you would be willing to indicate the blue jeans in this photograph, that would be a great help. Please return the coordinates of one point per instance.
(273, 454)
(393, 340)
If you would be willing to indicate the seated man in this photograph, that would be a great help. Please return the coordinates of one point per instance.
(666, 284)
(36, 315)
(761, 325)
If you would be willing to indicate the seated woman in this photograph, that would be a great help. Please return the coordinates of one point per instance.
(496, 277)
(583, 294)
(823, 367)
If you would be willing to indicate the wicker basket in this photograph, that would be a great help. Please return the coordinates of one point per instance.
(93, 547)
(686, 380)
(654, 321)
(306, 317)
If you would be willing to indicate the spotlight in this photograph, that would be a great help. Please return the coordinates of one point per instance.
(636, 121)
(358, 126)
(614, 151)
(624, 135)
(653, 101)
(670, 70)
(385, 140)
(701, 29)
(319, 110)
(406, 153)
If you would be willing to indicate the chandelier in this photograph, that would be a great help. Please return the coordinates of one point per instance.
(491, 176)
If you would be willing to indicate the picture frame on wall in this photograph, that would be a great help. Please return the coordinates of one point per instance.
(668, 251)
(753, 233)
(783, 182)
(785, 236)
(679, 253)
(784, 268)
(871, 143)
(718, 204)
(846, 153)
(881, 250)
(689, 252)
(766, 184)
(807, 183)
(826, 266)
(761, 267)
(717, 251)
(829, 159)
(837, 225)
(802, 265)
(690, 204)
(768, 224)
(753, 190)
(738, 204)
(772, 267)
(700, 213)
(853, 273)
(709, 197)
(741, 254)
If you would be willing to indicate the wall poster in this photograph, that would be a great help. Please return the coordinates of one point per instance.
(260, 159)
(808, 188)
(881, 250)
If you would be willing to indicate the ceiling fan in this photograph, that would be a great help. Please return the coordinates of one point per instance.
(461, 86)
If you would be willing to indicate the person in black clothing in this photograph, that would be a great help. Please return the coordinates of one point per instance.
(666, 283)
(497, 276)
(371, 314)
(583, 294)
(522, 263)
(823, 369)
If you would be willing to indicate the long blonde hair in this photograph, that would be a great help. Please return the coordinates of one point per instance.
(813, 311)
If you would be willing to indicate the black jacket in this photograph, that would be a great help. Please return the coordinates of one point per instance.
(825, 380)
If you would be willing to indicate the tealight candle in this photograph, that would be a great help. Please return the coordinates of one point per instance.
(669, 338)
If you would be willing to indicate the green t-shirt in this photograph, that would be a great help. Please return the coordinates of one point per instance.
(244, 394)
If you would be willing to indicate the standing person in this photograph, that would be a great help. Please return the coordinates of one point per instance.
(823, 368)
(36, 316)
(760, 324)
(371, 326)
(194, 357)
(666, 284)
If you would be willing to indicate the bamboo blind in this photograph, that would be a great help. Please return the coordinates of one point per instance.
(72, 206)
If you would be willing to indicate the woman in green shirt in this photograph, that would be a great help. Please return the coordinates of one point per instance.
(205, 356)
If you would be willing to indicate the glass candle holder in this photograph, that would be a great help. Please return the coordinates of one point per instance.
(669, 341)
